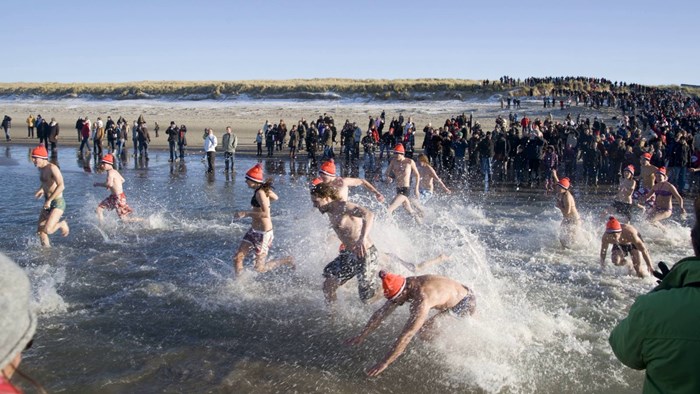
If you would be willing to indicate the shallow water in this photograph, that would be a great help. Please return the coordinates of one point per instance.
(153, 307)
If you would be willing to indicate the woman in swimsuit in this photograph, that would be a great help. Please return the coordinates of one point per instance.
(664, 192)
(260, 235)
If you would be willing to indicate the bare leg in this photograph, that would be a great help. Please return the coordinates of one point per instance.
(330, 287)
(100, 216)
(429, 263)
(242, 251)
(408, 207)
(262, 266)
(52, 223)
(41, 229)
(395, 203)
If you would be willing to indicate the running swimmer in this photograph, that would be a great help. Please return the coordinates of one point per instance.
(424, 293)
(51, 188)
(260, 234)
(625, 241)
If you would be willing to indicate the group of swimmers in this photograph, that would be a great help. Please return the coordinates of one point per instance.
(352, 223)
(655, 195)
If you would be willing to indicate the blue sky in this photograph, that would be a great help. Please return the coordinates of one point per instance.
(115, 41)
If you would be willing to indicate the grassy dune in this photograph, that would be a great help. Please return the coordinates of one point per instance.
(299, 88)
(215, 89)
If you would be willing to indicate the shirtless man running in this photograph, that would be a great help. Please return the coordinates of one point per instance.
(352, 224)
(117, 199)
(665, 192)
(402, 169)
(647, 178)
(622, 204)
(567, 205)
(342, 185)
(625, 241)
(424, 293)
(52, 189)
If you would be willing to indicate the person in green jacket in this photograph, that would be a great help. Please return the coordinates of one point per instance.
(661, 333)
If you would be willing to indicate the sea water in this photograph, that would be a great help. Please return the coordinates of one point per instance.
(154, 306)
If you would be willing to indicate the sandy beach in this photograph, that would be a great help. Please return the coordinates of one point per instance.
(246, 117)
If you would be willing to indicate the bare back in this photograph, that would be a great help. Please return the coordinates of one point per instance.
(435, 292)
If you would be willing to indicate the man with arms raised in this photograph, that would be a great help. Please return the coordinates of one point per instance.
(52, 189)
(342, 185)
(424, 293)
(352, 224)
(402, 168)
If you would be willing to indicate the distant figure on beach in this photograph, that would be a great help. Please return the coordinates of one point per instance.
(229, 142)
(260, 235)
(360, 258)
(567, 205)
(625, 241)
(51, 188)
(258, 142)
(6, 125)
(402, 169)
(30, 126)
(342, 186)
(172, 132)
(117, 198)
(424, 293)
(182, 142)
(210, 143)
(622, 203)
(85, 135)
(665, 192)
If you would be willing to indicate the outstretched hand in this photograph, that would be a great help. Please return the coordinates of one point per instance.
(661, 273)
(377, 369)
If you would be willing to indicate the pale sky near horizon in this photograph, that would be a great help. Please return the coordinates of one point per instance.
(648, 42)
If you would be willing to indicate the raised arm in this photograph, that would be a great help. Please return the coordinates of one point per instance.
(353, 182)
(437, 178)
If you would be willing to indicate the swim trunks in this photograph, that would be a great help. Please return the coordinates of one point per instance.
(402, 190)
(625, 249)
(465, 307)
(117, 202)
(425, 195)
(57, 203)
(641, 192)
(261, 240)
(623, 208)
(347, 265)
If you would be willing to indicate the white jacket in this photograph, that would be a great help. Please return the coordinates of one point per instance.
(210, 143)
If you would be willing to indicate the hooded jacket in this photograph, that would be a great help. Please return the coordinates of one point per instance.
(662, 332)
